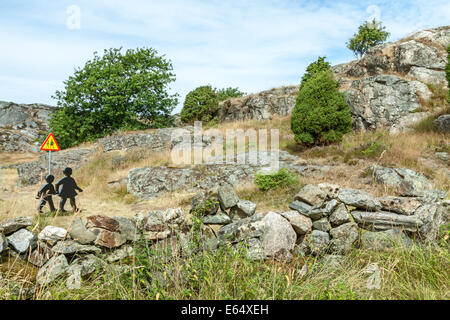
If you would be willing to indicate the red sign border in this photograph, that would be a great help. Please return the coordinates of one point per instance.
(50, 135)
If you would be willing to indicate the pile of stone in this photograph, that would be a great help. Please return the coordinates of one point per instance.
(323, 219)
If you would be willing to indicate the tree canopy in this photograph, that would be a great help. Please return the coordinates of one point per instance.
(369, 34)
(114, 91)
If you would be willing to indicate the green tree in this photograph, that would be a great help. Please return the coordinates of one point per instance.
(369, 34)
(313, 68)
(320, 115)
(224, 94)
(201, 104)
(447, 72)
(114, 91)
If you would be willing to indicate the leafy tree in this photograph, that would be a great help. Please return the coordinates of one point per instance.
(447, 72)
(201, 104)
(224, 94)
(320, 115)
(114, 91)
(315, 67)
(369, 34)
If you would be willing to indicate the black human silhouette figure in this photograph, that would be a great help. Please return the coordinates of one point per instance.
(45, 194)
(66, 189)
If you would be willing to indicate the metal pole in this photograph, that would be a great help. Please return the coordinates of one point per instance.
(49, 162)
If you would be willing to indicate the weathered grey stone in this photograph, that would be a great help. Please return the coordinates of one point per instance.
(22, 240)
(78, 231)
(383, 240)
(301, 207)
(243, 209)
(300, 223)
(218, 218)
(311, 194)
(162, 221)
(51, 234)
(120, 254)
(317, 242)
(205, 203)
(382, 101)
(84, 265)
(253, 248)
(359, 199)
(260, 106)
(70, 247)
(40, 255)
(278, 239)
(443, 123)
(432, 216)
(322, 225)
(251, 227)
(339, 216)
(11, 225)
(401, 205)
(329, 206)
(428, 76)
(127, 228)
(331, 190)
(54, 268)
(444, 156)
(22, 125)
(380, 221)
(414, 53)
(3, 243)
(227, 197)
(343, 238)
(406, 181)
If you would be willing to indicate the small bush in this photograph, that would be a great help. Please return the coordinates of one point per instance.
(200, 104)
(282, 178)
(224, 94)
(320, 115)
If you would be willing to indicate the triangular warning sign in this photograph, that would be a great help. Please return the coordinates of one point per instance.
(50, 144)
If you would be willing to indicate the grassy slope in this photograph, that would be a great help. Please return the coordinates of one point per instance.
(405, 274)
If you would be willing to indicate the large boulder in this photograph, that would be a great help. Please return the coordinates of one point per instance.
(383, 100)
(278, 239)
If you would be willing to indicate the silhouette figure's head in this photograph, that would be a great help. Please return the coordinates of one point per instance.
(67, 171)
(50, 178)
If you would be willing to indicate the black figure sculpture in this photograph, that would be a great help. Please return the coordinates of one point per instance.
(45, 194)
(66, 189)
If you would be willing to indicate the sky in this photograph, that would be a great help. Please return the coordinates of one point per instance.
(254, 45)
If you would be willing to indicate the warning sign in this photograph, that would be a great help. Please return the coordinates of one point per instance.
(50, 144)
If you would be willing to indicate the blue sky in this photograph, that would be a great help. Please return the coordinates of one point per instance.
(253, 45)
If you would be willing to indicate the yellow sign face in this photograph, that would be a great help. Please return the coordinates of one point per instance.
(50, 144)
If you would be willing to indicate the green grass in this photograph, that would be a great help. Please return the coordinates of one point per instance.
(162, 273)
(282, 178)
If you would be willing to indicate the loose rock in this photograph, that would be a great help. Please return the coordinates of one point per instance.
(22, 240)
(278, 239)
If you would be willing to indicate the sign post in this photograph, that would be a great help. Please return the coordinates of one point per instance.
(50, 145)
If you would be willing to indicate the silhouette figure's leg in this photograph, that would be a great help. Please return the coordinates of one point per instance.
(41, 205)
(51, 204)
(62, 203)
(73, 204)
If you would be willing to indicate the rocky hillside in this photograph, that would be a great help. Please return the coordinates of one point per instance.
(388, 87)
(23, 126)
